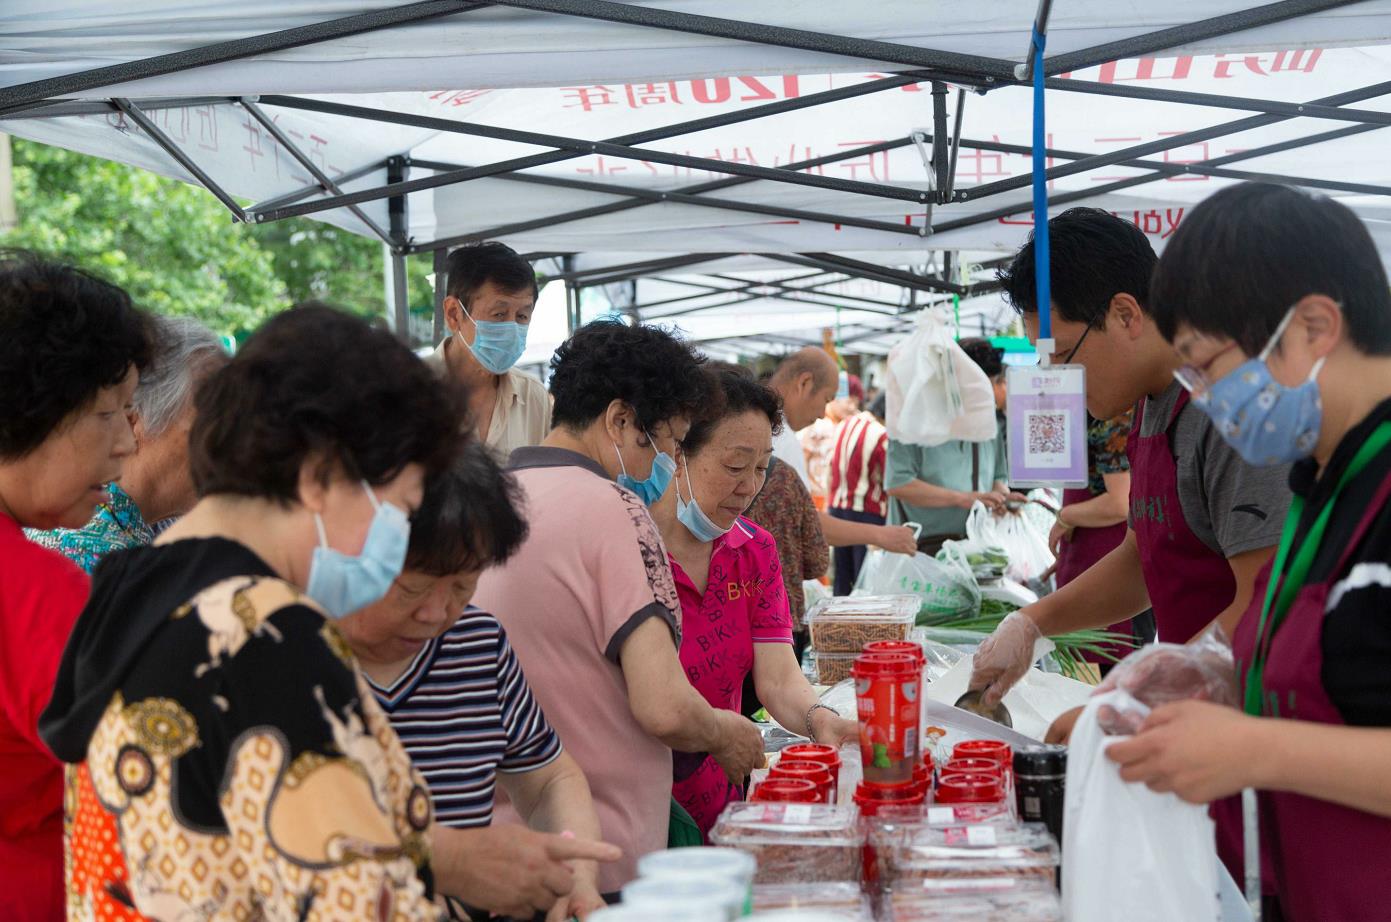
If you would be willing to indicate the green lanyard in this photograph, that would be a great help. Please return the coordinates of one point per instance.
(1284, 585)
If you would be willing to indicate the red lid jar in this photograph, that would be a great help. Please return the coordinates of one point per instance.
(814, 772)
(986, 749)
(973, 788)
(960, 766)
(820, 753)
(870, 796)
(909, 647)
(786, 790)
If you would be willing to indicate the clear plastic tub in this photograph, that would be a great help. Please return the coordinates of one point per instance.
(795, 843)
(916, 857)
(643, 914)
(832, 668)
(661, 895)
(725, 863)
(843, 897)
(1001, 899)
(845, 624)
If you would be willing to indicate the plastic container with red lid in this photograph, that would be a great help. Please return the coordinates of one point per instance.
(786, 790)
(910, 647)
(958, 766)
(825, 755)
(973, 788)
(989, 749)
(814, 772)
(888, 700)
(870, 797)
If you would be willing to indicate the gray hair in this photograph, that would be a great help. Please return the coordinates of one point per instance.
(183, 347)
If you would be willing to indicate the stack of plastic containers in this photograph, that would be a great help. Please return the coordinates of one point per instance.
(1003, 872)
(807, 855)
(840, 627)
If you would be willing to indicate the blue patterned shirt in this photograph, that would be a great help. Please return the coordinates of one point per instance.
(117, 524)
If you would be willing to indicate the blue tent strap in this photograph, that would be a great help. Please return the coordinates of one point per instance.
(1040, 187)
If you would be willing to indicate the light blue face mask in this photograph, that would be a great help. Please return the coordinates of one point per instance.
(655, 486)
(342, 583)
(1265, 421)
(496, 344)
(693, 517)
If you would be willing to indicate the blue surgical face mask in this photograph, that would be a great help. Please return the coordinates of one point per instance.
(1266, 422)
(342, 583)
(655, 486)
(497, 345)
(693, 517)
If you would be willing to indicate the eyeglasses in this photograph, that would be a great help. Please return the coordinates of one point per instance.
(1080, 340)
(1195, 377)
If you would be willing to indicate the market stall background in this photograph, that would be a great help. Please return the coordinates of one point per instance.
(827, 166)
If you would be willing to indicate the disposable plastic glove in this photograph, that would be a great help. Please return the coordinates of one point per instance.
(1165, 672)
(1004, 657)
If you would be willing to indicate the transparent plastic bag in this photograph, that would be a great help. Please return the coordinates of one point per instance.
(1016, 532)
(945, 588)
(936, 393)
(1162, 673)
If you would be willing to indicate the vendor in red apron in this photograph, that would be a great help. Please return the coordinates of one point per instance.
(1202, 521)
(1277, 303)
(1092, 521)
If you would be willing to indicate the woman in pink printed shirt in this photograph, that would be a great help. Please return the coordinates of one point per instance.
(734, 614)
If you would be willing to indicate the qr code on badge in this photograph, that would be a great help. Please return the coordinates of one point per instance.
(1046, 438)
(1047, 433)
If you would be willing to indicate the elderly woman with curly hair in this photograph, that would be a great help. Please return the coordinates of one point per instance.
(230, 761)
(71, 349)
(588, 600)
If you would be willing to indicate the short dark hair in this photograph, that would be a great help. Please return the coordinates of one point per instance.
(648, 368)
(1244, 256)
(742, 394)
(1093, 256)
(470, 267)
(988, 357)
(315, 379)
(65, 335)
(470, 517)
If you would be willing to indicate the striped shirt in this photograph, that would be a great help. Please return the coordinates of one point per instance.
(465, 713)
(858, 457)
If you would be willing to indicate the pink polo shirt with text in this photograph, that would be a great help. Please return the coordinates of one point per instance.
(744, 603)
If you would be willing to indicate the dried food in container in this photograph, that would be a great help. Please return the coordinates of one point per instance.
(795, 843)
(977, 851)
(845, 624)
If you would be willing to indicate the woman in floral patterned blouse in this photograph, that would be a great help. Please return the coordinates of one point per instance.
(229, 760)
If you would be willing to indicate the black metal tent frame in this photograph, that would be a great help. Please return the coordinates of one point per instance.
(47, 99)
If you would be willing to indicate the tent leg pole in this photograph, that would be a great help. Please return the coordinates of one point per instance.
(398, 297)
(441, 292)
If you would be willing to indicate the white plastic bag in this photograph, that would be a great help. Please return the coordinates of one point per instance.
(936, 393)
(1132, 854)
(944, 588)
(1019, 536)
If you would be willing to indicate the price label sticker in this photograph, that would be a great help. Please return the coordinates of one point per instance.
(797, 814)
(980, 836)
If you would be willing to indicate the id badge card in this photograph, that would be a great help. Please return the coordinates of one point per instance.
(1047, 425)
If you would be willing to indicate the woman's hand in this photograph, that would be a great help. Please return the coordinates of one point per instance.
(835, 731)
(583, 899)
(1057, 535)
(1198, 750)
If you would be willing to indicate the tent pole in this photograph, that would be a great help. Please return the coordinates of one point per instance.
(249, 104)
(399, 305)
(643, 200)
(441, 292)
(1163, 144)
(1085, 194)
(183, 159)
(305, 192)
(578, 145)
(28, 94)
(990, 69)
(1139, 46)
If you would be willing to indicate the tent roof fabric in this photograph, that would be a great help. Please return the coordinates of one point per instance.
(821, 143)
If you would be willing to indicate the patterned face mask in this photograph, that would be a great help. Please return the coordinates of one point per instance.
(1267, 423)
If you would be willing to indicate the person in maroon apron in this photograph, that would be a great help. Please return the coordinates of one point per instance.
(1199, 524)
(1279, 305)
(1091, 523)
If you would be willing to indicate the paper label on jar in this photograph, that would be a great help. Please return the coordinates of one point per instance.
(970, 883)
(1033, 807)
(940, 816)
(797, 814)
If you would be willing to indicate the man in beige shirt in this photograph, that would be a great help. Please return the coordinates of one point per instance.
(491, 297)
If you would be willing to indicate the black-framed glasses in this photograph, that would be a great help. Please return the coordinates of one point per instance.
(1080, 341)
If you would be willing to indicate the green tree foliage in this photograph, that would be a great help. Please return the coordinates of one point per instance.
(176, 249)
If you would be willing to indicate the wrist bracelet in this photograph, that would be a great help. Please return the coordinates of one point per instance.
(812, 710)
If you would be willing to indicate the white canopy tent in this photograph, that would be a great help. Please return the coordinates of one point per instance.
(660, 147)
